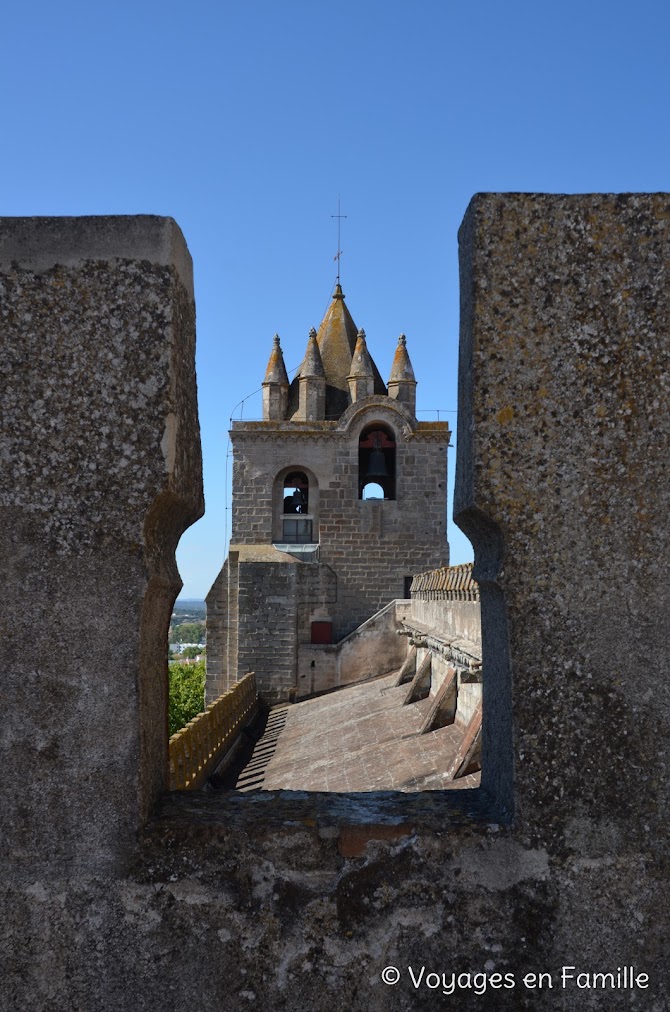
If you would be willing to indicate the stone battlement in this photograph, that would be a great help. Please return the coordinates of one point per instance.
(196, 749)
(121, 896)
(450, 582)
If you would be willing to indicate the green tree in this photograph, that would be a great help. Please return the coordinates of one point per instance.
(190, 653)
(187, 693)
(187, 632)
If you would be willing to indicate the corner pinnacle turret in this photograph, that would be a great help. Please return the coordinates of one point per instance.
(361, 377)
(275, 385)
(311, 384)
(402, 383)
(312, 364)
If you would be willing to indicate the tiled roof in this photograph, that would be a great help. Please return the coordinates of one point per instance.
(359, 738)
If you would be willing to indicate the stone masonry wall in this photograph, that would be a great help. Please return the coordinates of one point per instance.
(317, 596)
(267, 600)
(445, 620)
(312, 592)
(372, 649)
(216, 602)
(291, 902)
(371, 545)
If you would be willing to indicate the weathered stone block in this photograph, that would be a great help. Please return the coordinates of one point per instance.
(101, 473)
(562, 487)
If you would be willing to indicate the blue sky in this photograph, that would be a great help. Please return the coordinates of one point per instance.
(244, 121)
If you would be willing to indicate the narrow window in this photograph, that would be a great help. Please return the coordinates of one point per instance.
(376, 463)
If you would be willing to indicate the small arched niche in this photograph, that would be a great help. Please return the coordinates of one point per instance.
(376, 462)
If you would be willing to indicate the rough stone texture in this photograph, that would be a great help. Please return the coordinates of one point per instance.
(101, 473)
(562, 487)
(458, 620)
(292, 902)
(267, 599)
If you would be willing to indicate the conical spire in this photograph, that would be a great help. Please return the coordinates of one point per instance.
(336, 339)
(361, 363)
(402, 367)
(275, 385)
(311, 384)
(361, 376)
(312, 364)
(402, 384)
(276, 370)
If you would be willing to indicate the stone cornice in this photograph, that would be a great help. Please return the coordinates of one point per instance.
(314, 435)
(383, 408)
(461, 652)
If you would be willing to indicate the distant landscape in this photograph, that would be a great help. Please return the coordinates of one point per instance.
(189, 606)
(187, 675)
(187, 624)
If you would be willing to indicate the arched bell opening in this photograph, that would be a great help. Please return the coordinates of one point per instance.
(376, 463)
(296, 493)
(295, 508)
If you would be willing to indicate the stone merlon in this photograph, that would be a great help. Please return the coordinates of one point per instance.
(100, 473)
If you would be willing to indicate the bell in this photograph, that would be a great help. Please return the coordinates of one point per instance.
(377, 465)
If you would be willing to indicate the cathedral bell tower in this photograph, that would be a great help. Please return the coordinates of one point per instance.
(339, 497)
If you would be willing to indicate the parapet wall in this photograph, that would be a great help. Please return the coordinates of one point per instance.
(446, 601)
(557, 865)
(101, 473)
(444, 620)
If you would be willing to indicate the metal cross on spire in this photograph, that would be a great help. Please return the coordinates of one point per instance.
(339, 251)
